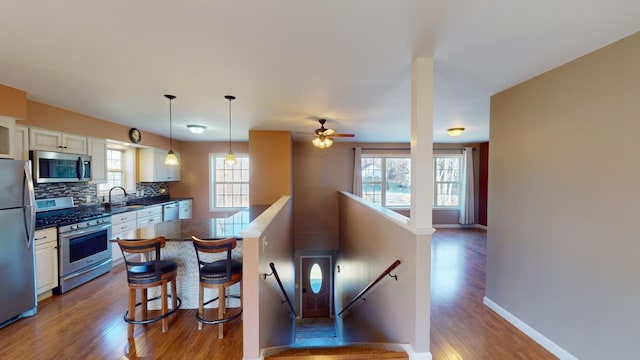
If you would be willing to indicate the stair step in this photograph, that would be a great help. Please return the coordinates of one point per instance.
(339, 353)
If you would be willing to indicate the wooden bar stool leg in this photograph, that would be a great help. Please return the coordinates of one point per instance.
(222, 299)
(165, 307)
(200, 304)
(174, 295)
(132, 311)
(145, 313)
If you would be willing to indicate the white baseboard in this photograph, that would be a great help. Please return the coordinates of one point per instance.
(529, 331)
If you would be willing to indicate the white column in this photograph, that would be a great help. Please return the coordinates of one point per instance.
(421, 143)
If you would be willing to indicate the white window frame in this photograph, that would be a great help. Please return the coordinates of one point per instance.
(460, 181)
(383, 177)
(212, 182)
(128, 166)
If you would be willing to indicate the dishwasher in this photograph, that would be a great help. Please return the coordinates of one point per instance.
(170, 211)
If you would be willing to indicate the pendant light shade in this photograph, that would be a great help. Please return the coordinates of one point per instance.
(230, 158)
(171, 158)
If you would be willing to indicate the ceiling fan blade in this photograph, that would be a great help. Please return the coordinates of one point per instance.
(343, 135)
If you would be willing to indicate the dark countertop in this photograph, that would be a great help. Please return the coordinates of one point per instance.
(211, 228)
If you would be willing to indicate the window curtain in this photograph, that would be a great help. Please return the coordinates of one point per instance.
(467, 195)
(357, 172)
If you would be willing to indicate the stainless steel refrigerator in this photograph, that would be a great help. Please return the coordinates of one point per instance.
(17, 224)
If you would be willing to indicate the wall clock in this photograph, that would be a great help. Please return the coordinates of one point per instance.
(135, 135)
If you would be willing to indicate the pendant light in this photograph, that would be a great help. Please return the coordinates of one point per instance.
(230, 159)
(171, 158)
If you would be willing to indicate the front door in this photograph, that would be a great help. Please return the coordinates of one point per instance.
(316, 292)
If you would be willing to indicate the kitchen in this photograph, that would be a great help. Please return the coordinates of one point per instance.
(73, 225)
(193, 184)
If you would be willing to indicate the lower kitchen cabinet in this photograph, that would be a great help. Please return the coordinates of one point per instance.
(46, 250)
(123, 226)
(185, 209)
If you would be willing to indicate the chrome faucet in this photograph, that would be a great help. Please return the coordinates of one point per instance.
(116, 187)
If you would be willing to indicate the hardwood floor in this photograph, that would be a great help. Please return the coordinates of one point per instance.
(462, 327)
(86, 323)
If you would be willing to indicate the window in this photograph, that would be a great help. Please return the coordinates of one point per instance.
(115, 170)
(446, 180)
(229, 184)
(386, 180)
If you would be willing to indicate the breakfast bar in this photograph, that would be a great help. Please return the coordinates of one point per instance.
(179, 248)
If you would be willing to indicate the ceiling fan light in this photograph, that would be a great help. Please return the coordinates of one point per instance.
(171, 158)
(457, 131)
(322, 143)
(196, 129)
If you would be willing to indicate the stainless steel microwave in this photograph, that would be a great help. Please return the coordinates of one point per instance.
(52, 167)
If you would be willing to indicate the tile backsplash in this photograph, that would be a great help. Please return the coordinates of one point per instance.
(82, 192)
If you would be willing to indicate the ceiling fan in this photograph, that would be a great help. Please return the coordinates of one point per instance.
(324, 137)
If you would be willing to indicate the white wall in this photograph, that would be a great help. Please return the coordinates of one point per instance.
(269, 238)
(562, 240)
(371, 239)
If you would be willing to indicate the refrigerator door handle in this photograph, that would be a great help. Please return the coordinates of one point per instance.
(29, 202)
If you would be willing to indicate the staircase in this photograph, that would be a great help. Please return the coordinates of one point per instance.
(339, 353)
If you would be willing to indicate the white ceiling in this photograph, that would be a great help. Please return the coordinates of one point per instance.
(290, 62)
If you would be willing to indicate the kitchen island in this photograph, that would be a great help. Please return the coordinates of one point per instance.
(179, 247)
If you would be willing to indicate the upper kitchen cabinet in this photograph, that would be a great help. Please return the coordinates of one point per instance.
(7, 136)
(21, 143)
(97, 149)
(152, 167)
(41, 139)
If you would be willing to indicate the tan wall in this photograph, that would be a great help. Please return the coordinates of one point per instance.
(562, 249)
(194, 172)
(265, 319)
(395, 311)
(318, 176)
(271, 161)
(13, 102)
(54, 118)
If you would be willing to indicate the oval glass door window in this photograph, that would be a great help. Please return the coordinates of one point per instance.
(315, 278)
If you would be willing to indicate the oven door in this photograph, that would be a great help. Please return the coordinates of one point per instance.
(80, 249)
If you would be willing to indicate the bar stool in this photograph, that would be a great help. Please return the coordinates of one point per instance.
(217, 274)
(148, 274)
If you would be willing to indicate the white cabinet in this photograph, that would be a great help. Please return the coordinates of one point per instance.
(149, 215)
(48, 140)
(46, 250)
(152, 167)
(97, 149)
(7, 136)
(185, 209)
(123, 226)
(21, 143)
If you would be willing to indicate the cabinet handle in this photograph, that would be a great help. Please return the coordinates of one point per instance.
(40, 238)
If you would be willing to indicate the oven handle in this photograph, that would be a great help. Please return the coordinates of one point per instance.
(85, 231)
(84, 271)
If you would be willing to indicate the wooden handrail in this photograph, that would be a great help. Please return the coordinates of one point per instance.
(286, 297)
(371, 285)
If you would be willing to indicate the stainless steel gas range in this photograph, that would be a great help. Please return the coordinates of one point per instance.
(84, 247)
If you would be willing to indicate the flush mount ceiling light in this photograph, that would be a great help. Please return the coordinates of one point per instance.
(171, 158)
(196, 129)
(455, 131)
(230, 159)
